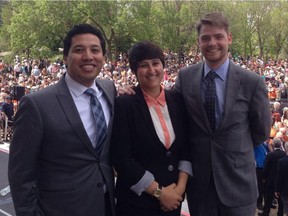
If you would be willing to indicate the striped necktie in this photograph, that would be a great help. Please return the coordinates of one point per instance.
(99, 119)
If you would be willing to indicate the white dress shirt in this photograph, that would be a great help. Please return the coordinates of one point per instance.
(82, 102)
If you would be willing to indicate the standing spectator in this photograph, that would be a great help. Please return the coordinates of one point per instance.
(27, 67)
(282, 180)
(1, 66)
(269, 177)
(58, 164)
(55, 69)
(283, 92)
(224, 127)
(260, 153)
(17, 69)
(3, 96)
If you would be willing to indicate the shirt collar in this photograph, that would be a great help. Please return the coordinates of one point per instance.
(221, 71)
(77, 89)
(160, 100)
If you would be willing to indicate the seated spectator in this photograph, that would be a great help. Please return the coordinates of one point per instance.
(272, 92)
(8, 108)
(273, 132)
(36, 71)
(277, 112)
(285, 114)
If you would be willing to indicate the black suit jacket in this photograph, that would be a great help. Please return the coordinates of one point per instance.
(270, 168)
(53, 167)
(137, 148)
(8, 109)
(282, 176)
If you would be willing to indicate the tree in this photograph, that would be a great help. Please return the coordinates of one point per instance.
(279, 27)
(33, 26)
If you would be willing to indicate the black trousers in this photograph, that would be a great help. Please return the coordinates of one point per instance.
(108, 211)
(126, 209)
(269, 195)
(259, 174)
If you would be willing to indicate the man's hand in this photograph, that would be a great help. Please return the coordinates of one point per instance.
(126, 90)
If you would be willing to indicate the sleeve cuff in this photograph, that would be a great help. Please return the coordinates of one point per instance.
(143, 184)
(186, 166)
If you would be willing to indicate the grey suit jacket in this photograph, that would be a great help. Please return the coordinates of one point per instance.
(227, 154)
(53, 167)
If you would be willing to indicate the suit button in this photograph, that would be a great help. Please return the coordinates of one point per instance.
(170, 168)
(99, 185)
(168, 154)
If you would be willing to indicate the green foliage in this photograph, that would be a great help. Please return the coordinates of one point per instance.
(37, 27)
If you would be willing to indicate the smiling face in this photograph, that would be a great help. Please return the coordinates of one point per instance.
(85, 58)
(214, 44)
(150, 74)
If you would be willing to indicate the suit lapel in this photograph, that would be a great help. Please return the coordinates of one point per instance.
(233, 85)
(70, 110)
(198, 113)
(110, 96)
(144, 111)
(173, 112)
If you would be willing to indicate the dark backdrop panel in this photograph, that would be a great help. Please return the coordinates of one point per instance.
(6, 204)
(18, 92)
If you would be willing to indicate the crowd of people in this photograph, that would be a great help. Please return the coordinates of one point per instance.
(220, 163)
(36, 74)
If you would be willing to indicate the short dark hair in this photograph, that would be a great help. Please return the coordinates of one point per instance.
(214, 19)
(83, 29)
(144, 50)
(277, 143)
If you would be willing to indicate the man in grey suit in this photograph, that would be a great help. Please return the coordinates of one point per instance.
(222, 140)
(54, 168)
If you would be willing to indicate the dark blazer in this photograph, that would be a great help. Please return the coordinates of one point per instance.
(8, 109)
(282, 176)
(270, 168)
(227, 154)
(137, 148)
(53, 167)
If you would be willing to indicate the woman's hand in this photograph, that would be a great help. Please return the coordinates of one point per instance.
(170, 199)
(180, 189)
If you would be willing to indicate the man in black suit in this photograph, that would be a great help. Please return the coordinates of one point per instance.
(269, 177)
(54, 168)
(282, 180)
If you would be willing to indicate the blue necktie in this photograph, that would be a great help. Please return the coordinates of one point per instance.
(99, 119)
(210, 98)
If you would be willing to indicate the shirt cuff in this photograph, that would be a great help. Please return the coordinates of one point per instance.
(186, 166)
(143, 184)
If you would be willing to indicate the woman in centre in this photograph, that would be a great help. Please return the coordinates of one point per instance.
(150, 149)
